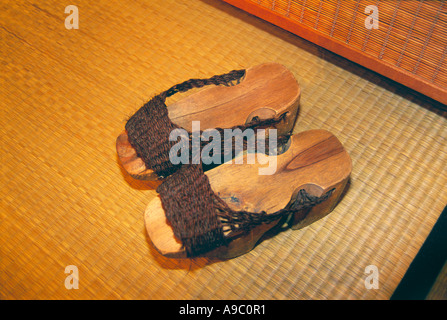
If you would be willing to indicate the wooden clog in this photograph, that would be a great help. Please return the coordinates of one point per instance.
(266, 91)
(315, 161)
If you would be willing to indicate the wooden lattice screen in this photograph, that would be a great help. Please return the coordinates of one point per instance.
(409, 44)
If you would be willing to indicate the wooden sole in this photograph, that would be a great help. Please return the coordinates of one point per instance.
(266, 91)
(315, 161)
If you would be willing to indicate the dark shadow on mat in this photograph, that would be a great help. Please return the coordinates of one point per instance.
(426, 266)
(354, 68)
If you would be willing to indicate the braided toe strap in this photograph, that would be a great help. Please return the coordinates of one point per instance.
(203, 221)
(148, 132)
(187, 200)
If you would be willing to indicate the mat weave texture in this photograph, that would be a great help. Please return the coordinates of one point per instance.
(66, 95)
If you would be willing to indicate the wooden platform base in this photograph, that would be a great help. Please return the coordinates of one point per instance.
(266, 91)
(315, 160)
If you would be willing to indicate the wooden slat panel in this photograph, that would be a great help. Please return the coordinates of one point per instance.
(409, 47)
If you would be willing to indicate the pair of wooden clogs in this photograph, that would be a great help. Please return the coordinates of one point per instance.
(311, 171)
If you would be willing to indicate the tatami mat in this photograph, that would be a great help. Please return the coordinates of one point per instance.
(65, 97)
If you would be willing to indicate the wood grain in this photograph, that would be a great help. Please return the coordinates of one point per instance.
(267, 90)
(315, 161)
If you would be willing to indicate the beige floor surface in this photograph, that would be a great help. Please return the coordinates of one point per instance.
(66, 94)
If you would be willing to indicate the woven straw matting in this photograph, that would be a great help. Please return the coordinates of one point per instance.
(65, 96)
